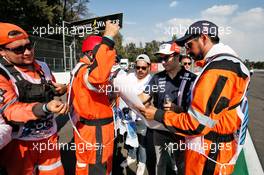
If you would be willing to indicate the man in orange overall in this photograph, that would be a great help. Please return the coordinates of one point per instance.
(94, 137)
(27, 90)
(216, 122)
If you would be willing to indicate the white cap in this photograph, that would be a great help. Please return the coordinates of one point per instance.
(143, 57)
(168, 49)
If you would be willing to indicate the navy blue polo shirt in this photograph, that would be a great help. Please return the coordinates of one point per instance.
(178, 89)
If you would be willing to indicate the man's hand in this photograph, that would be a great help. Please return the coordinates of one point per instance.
(58, 107)
(60, 88)
(169, 106)
(111, 29)
(172, 107)
(148, 111)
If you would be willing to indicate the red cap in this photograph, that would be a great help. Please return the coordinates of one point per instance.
(90, 42)
(10, 32)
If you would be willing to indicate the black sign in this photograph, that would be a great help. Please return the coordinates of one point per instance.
(98, 23)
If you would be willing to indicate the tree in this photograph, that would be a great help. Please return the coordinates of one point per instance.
(26, 13)
(36, 13)
(74, 10)
(118, 45)
(131, 51)
(251, 64)
(151, 48)
(247, 63)
(174, 37)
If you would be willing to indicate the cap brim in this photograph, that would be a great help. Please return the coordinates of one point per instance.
(181, 41)
(147, 61)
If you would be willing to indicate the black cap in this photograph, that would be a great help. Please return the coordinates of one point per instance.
(197, 28)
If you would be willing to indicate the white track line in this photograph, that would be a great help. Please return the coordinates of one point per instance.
(252, 160)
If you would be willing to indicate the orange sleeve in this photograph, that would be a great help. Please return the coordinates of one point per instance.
(17, 111)
(104, 61)
(213, 107)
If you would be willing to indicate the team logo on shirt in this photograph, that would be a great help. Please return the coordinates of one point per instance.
(162, 84)
(2, 98)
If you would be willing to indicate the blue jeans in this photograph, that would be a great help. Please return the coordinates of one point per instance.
(141, 150)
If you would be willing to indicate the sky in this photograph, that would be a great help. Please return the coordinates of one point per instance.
(241, 23)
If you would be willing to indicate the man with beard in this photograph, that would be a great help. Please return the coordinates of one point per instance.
(216, 122)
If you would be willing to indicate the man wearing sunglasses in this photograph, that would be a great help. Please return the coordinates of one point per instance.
(186, 62)
(216, 122)
(169, 90)
(142, 66)
(140, 79)
(27, 91)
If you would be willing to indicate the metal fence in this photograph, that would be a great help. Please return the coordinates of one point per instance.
(51, 52)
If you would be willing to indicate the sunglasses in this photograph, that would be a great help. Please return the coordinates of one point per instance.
(189, 44)
(21, 49)
(141, 67)
(189, 63)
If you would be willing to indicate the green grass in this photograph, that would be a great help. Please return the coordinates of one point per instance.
(241, 166)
